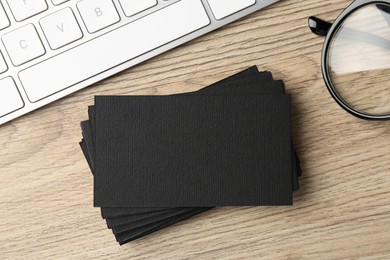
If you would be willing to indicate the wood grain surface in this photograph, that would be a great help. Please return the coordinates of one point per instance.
(341, 211)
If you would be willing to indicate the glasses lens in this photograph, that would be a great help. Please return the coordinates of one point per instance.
(358, 60)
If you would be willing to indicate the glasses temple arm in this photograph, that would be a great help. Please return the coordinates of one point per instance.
(319, 26)
(385, 11)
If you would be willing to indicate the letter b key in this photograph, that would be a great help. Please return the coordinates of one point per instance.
(98, 14)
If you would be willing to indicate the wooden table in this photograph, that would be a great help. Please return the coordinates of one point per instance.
(341, 211)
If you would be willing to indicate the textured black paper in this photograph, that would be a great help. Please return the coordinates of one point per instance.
(249, 82)
(127, 226)
(192, 151)
(133, 234)
(247, 86)
(112, 212)
(149, 218)
(117, 212)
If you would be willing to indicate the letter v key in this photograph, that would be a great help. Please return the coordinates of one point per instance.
(54, 26)
(61, 28)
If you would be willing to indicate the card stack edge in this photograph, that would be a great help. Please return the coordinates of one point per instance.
(129, 224)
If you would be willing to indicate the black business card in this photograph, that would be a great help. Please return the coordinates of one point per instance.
(129, 223)
(192, 151)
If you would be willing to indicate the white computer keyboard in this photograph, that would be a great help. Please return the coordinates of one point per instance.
(51, 48)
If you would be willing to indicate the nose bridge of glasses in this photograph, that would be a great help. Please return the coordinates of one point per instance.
(318, 26)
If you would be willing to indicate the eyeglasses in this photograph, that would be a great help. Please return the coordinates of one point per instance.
(356, 58)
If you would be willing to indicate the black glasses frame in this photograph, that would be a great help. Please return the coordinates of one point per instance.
(323, 28)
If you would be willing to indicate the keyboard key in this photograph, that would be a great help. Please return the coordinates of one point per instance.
(132, 7)
(61, 28)
(58, 2)
(23, 9)
(112, 49)
(3, 65)
(4, 22)
(23, 44)
(98, 14)
(10, 99)
(224, 8)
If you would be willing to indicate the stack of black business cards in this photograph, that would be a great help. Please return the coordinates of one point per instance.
(158, 160)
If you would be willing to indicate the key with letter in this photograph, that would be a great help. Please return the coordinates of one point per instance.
(61, 28)
(23, 44)
(98, 14)
(84, 62)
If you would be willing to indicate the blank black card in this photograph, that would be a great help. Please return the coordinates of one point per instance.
(249, 81)
(138, 221)
(192, 151)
